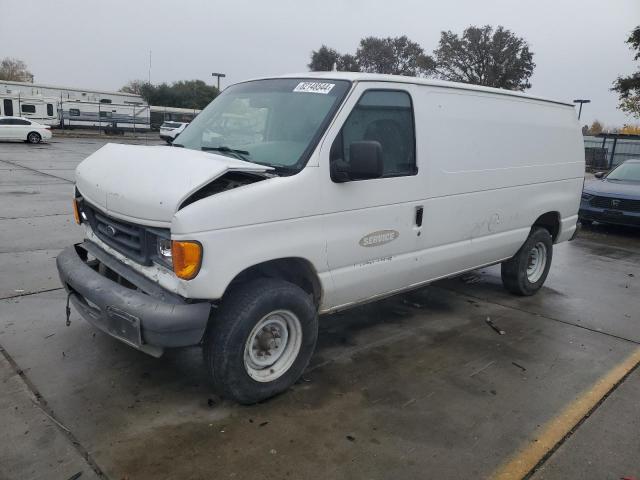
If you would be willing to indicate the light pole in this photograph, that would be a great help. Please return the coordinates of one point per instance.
(581, 101)
(219, 75)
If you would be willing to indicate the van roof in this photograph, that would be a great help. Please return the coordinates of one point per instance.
(377, 77)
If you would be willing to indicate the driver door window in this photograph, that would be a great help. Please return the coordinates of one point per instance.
(384, 116)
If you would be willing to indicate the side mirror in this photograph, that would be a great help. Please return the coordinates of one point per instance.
(598, 174)
(365, 162)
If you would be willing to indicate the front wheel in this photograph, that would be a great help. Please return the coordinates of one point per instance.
(34, 137)
(525, 273)
(260, 340)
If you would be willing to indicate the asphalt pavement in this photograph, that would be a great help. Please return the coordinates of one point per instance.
(415, 386)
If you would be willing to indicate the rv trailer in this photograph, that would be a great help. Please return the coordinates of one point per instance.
(40, 109)
(73, 107)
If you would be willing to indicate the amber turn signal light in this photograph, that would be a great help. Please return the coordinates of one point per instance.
(76, 211)
(187, 258)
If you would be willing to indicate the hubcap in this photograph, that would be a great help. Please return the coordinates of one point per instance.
(272, 346)
(537, 262)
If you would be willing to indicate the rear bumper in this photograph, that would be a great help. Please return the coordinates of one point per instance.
(149, 318)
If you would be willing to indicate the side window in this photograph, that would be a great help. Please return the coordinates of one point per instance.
(384, 116)
(19, 121)
(105, 114)
(74, 112)
(50, 109)
(28, 108)
(4, 121)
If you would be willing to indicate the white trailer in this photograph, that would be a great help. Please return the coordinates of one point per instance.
(74, 107)
(38, 108)
(105, 113)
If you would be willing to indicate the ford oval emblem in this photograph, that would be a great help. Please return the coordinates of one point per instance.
(111, 231)
(375, 239)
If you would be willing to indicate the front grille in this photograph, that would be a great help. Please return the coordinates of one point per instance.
(616, 203)
(134, 241)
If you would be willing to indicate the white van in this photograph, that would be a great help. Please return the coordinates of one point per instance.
(334, 190)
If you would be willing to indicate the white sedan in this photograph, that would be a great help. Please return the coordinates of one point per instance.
(19, 128)
(170, 130)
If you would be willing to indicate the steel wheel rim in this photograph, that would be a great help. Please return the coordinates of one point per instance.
(272, 346)
(536, 262)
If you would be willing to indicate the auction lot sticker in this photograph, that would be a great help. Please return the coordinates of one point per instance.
(314, 87)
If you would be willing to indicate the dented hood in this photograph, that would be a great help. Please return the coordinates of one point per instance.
(149, 183)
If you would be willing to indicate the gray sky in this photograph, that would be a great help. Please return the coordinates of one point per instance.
(578, 44)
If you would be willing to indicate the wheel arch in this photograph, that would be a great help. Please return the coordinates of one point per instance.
(33, 131)
(550, 221)
(296, 270)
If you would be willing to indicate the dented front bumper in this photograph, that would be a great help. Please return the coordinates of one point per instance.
(126, 305)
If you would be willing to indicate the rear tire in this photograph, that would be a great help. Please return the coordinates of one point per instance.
(34, 137)
(525, 273)
(260, 340)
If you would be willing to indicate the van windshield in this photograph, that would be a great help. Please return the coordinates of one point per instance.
(275, 122)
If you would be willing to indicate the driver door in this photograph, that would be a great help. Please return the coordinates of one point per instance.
(373, 225)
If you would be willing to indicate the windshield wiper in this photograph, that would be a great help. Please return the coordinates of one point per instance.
(240, 154)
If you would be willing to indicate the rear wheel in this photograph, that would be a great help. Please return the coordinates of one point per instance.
(34, 137)
(260, 340)
(525, 273)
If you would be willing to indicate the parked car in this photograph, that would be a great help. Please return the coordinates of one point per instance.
(19, 128)
(614, 197)
(343, 188)
(170, 130)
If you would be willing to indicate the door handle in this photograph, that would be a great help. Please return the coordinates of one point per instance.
(419, 214)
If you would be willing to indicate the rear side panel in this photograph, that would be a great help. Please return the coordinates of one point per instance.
(492, 164)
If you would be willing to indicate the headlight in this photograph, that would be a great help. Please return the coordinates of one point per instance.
(187, 258)
(587, 196)
(164, 251)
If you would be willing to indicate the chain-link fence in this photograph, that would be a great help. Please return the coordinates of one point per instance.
(609, 150)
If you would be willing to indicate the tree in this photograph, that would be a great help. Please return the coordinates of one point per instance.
(324, 59)
(631, 130)
(628, 88)
(135, 86)
(15, 70)
(348, 63)
(183, 94)
(396, 56)
(596, 128)
(486, 57)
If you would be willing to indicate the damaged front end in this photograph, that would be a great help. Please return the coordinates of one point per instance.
(123, 303)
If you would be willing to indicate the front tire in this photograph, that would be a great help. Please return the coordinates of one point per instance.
(525, 273)
(260, 340)
(34, 137)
